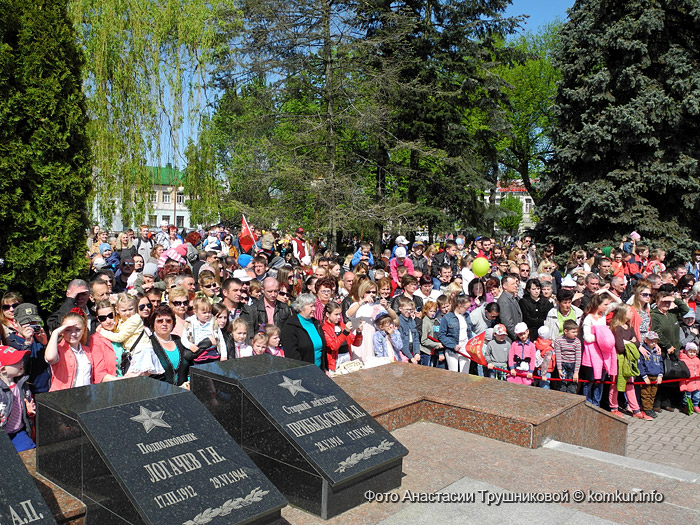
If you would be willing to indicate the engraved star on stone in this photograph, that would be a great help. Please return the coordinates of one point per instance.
(293, 385)
(150, 420)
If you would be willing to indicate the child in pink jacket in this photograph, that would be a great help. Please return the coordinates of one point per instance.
(521, 357)
(691, 387)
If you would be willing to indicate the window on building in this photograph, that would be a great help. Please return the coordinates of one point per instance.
(180, 222)
(166, 218)
(180, 198)
(528, 205)
(154, 196)
(166, 197)
(152, 221)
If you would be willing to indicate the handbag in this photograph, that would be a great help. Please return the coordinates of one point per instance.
(675, 369)
(125, 362)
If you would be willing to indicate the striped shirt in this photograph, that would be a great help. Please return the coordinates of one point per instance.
(14, 420)
(568, 351)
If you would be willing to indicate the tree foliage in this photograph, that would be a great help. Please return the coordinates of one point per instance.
(146, 76)
(513, 207)
(44, 153)
(531, 92)
(366, 116)
(628, 134)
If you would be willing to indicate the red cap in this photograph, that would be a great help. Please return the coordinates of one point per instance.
(300, 230)
(11, 356)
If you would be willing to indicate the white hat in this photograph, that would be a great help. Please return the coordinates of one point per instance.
(306, 260)
(568, 282)
(400, 252)
(543, 332)
(242, 275)
(164, 223)
(520, 328)
(401, 240)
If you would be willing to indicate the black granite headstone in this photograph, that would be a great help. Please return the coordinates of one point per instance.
(143, 451)
(314, 442)
(20, 500)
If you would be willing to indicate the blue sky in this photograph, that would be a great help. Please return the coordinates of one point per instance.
(541, 11)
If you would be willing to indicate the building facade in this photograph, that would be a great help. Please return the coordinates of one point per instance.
(167, 202)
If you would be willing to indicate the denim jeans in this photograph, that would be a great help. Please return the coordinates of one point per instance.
(594, 390)
(694, 397)
(436, 363)
(566, 371)
(425, 359)
(543, 383)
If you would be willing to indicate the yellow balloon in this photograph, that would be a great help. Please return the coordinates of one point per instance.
(480, 266)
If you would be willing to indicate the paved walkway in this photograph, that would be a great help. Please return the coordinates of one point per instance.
(671, 439)
(443, 459)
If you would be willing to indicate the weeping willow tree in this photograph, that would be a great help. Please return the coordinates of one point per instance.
(146, 71)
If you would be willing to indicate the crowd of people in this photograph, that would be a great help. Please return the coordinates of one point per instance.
(613, 324)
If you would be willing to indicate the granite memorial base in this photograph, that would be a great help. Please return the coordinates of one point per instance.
(314, 442)
(400, 394)
(20, 500)
(143, 451)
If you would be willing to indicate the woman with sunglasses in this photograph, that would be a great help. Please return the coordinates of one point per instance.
(209, 284)
(366, 307)
(10, 301)
(106, 355)
(145, 308)
(173, 355)
(641, 304)
(179, 303)
(577, 262)
(285, 294)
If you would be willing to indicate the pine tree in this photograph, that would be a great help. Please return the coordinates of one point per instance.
(628, 137)
(44, 155)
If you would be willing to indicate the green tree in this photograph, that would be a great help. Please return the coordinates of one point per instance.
(532, 88)
(513, 208)
(145, 78)
(438, 103)
(44, 153)
(628, 133)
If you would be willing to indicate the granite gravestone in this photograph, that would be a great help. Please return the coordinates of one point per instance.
(144, 451)
(314, 442)
(20, 500)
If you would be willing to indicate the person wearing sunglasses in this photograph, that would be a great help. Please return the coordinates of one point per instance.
(145, 308)
(10, 302)
(106, 354)
(121, 278)
(179, 303)
(209, 285)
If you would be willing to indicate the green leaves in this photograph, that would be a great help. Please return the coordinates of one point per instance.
(44, 156)
(628, 137)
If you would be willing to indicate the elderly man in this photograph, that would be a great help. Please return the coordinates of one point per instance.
(592, 286)
(346, 284)
(510, 312)
(268, 310)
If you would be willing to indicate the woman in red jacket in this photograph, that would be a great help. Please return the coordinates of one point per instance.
(339, 336)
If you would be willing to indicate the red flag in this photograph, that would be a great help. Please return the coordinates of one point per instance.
(247, 239)
(474, 349)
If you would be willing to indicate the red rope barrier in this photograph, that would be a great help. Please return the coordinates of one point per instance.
(520, 373)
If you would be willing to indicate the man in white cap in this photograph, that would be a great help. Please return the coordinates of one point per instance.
(400, 259)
